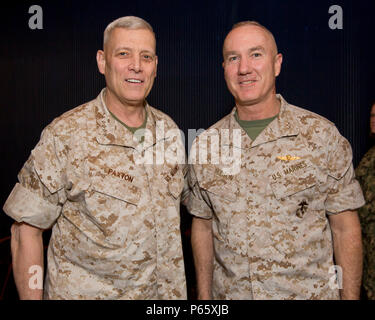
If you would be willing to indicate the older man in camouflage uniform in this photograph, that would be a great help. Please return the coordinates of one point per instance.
(114, 209)
(274, 200)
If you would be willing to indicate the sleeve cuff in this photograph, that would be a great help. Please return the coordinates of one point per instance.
(198, 208)
(350, 198)
(23, 205)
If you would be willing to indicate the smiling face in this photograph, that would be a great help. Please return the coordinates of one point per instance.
(129, 63)
(251, 64)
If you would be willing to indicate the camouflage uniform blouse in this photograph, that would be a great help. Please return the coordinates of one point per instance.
(272, 238)
(366, 177)
(116, 223)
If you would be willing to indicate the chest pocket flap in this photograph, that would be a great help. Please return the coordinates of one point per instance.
(293, 181)
(117, 188)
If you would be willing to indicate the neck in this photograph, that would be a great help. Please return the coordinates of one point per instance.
(258, 111)
(131, 115)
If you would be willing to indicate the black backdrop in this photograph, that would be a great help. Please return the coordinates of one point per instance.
(47, 72)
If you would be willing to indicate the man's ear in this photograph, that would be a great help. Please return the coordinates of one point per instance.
(278, 62)
(100, 59)
(156, 65)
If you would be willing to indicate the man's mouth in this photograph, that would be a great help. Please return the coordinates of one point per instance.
(247, 82)
(133, 80)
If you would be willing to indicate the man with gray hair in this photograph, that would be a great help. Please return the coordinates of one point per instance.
(285, 223)
(114, 213)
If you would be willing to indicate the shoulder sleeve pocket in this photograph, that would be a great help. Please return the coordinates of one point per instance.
(340, 156)
(221, 187)
(46, 163)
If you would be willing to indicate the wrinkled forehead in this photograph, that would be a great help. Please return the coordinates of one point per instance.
(121, 36)
(249, 36)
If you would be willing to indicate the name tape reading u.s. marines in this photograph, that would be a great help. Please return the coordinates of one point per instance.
(290, 169)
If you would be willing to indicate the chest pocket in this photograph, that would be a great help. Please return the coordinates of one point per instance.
(297, 194)
(118, 189)
(294, 182)
(111, 204)
(296, 209)
(230, 224)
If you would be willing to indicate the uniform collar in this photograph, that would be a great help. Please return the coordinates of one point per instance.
(112, 132)
(283, 126)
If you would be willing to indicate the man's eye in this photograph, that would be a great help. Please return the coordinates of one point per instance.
(147, 57)
(232, 59)
(257, 54)
(123, 53)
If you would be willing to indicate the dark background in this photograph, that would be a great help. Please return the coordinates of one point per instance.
(47, 72)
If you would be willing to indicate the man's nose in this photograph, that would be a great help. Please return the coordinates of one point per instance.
(135, 64)
(245, 66)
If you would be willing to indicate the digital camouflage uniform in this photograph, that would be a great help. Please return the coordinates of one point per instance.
(116, 223)
(366, 177)
(272, 238)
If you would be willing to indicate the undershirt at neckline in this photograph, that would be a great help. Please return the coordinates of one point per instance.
(254, 127)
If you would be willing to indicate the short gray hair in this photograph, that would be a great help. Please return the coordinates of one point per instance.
(128, 22)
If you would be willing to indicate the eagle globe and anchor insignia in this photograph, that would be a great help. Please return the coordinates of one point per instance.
(303, 205)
